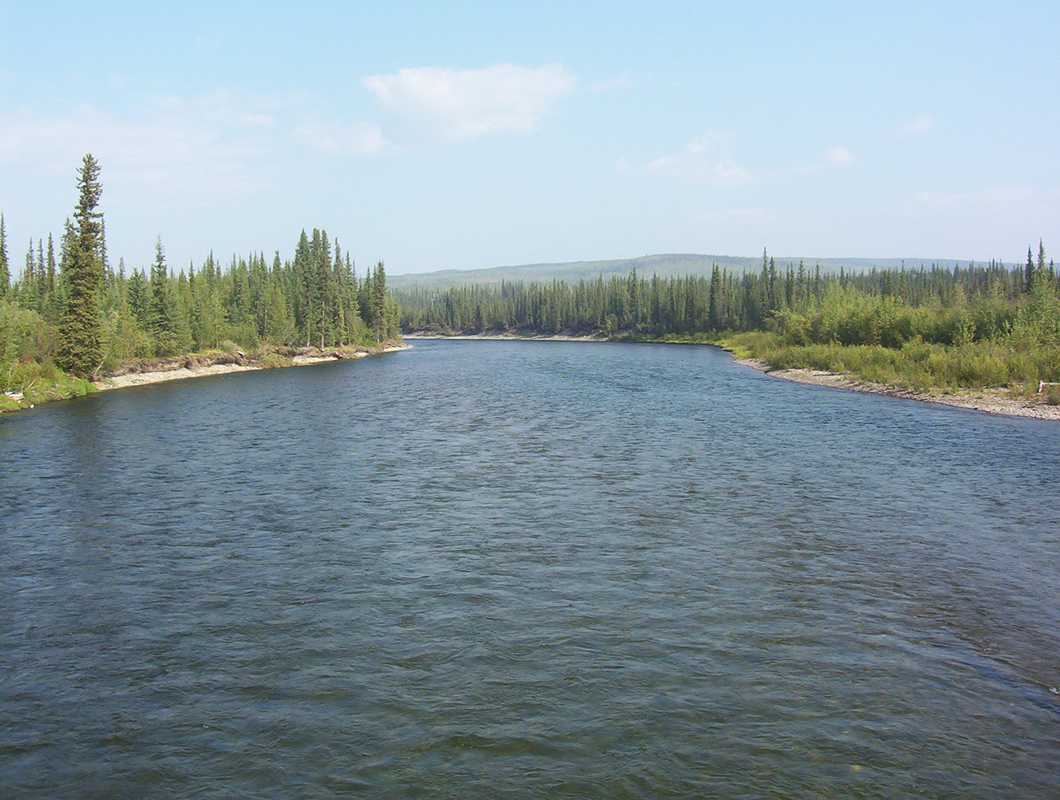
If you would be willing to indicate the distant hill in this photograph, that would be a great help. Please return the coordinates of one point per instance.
(664, 266)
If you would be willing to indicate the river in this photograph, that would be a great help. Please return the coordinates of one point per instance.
(526, 569)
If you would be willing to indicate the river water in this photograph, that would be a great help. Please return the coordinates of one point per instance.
(527, 569)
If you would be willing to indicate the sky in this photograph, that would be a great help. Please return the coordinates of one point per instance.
(463, 135)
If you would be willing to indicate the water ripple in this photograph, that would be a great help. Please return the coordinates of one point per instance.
(526, 569)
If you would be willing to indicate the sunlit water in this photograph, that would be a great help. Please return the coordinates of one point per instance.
(488, 570)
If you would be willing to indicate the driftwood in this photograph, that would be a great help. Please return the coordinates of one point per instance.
(1043, 385)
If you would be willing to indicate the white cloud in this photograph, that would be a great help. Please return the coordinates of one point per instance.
(914, 127)
(173, 150)
(465, 104)
(921, 124)
(733, 214)
(839, 157)
(997, 198)
(976, 221)
(706, 159)
(357, 139)
(622, 81)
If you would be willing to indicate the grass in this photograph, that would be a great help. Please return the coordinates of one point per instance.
(1015, 365)
(39, 383)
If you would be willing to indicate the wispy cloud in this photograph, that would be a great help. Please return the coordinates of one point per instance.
(358, 138)
(839, 157)
(706, 159)
(914, 127)
(921, 124)
(217, 144)
(457, 105)
(208, 144)
(733, 214)
(622, 81)
(997, 198)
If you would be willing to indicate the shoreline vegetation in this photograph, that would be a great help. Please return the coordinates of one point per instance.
(72, 323)
(199, 366)
(991, 401)
(998, 401)
(191, 365)
(983, 336)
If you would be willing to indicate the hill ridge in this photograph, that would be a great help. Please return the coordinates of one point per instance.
(664, 265)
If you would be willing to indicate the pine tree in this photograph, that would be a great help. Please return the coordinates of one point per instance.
(713, 303)
(29, 297)
(377, 302)
(5, 271)
(81, 330)
(163, 323)
(136, 292)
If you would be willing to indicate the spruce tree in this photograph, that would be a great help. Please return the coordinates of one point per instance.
(5, 271)
(81, 347)
(713, 305)
(377, 302)
(163, 323)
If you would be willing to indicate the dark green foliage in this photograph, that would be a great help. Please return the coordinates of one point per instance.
(91, 319)
(5, 270)
(947, 325)
(162, 319)
(82, 319)
(883, 307)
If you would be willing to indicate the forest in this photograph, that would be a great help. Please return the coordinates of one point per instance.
(71, 315)
(982, 325)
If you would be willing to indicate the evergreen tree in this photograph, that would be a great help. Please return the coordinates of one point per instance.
(81, 344)
(29, 295)
(713, 306)
(5, 270)
(377, 302)
(163, 322)
(138, 295)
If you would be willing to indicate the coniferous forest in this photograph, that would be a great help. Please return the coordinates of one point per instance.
(984, 325)
(73, 315)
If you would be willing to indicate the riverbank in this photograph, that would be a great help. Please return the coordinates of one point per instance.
(990, 401)
(192, 366)
(507, 337)
(198, 367)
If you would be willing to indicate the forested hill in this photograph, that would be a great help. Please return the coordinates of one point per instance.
(665, 266)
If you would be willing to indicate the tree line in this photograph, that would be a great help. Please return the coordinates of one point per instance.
(73, 308)
(884, 307)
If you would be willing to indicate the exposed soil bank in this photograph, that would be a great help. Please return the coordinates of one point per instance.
(507, 337)
(200, 366)
(992, 401)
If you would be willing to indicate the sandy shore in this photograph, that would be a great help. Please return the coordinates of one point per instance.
(991, 401)
(506, 337)
(182, 373)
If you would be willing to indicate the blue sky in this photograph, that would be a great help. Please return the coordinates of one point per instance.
(438, 135)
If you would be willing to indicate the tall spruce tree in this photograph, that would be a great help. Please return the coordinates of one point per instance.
(377, 302)
(81, 347)
(5, 271)
(162, 317)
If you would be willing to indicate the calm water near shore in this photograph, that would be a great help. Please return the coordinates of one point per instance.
(526, 569)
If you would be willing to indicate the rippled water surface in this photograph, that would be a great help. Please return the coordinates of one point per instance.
(526, 569)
